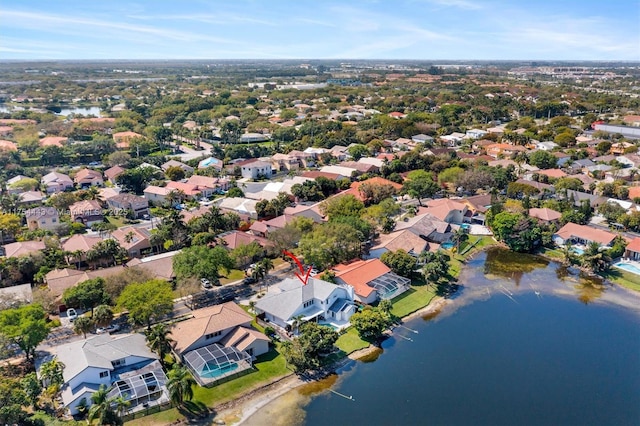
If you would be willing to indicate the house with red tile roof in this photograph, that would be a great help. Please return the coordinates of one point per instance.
(371, 280)
(552, 173)
(87, 177)
(445, 209)
(497, 149)
(21, 248)
(112, 173)
(397, 115)
(8, 145)
(58, 141)
(545, 215)
(86, 212)
(122, 139)
(632, 252)
(582, 234)
(190, 190)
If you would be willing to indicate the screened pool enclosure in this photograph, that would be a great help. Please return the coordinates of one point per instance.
(213, 363)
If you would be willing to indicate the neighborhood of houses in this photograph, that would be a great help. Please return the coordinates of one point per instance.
(218, 342)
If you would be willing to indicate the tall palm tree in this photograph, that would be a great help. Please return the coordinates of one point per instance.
(297, 322)
(83, 325)
(159, 340)
(121, 404)
(180, 384)
(459, 236)
(595, 259)
(102, 315)
(101, 407)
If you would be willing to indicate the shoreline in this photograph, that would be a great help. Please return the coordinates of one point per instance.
(239, 410)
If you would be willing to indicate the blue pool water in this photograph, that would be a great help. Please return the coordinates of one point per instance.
(446, 246)
(628, 267)
(577, 250)
(465, 226)
(213, 371)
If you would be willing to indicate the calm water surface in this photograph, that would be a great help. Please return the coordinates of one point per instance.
(525, 342)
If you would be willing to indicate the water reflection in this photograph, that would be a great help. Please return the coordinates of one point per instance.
(507, 264)
(371, 356)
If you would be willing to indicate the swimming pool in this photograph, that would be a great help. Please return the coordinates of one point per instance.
(213, 370)
(629, 267)
(577, 250)
(447, 246)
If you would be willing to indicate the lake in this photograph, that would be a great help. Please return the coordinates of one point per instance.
(524, 342)
(63, 112)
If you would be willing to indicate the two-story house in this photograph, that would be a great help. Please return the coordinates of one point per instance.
(371, 280)
(56, 182)
(108, 360)
(123, 202)
(87, 212)
(42, 218)
(87, 177)
(318, 300)
(254, 168)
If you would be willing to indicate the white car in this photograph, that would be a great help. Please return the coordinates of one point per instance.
(72, 314)
(206, 284)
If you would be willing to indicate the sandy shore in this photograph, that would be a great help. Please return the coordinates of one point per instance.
(239, 410)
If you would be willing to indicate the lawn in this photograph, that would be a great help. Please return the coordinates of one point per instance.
(232, 276)
(269, 366)
(116, 220)
(417, 297)
(623, 278)
(351, 342)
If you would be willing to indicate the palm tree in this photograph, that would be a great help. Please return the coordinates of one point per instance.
(568, 255)
(51, 373)
(129, 237)
(159, 340)
(102, 316)
(179, 384)
(296, 323)
(595, 259)
(101, 407)
(121, 404)
(252, 306)
(459, 236)
(83, 325)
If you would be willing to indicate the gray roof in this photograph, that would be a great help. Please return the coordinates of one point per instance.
(100, 351)
(285, 298)
(424, 224)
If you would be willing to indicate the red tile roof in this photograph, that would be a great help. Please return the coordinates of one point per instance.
(357, 274)
(545, 214)
(634, 245)
(586, 233)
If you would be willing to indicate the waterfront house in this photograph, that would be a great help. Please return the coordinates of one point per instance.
(318, 300)
(583, 235)
(110, 361)
(632, 252)
(371, 280)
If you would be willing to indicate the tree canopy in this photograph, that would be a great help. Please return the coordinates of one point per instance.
(147, 302)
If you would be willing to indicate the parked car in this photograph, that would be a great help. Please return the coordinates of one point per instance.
(314, 272)
(112, 328)
(72, 314)
(249, 280)
(206, 284)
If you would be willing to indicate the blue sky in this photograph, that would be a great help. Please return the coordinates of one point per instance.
(288, 29)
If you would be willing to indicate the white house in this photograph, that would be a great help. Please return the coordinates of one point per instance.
(252, 169)
(102, 360)
(318, 300)
(475, 134)
(546, 146)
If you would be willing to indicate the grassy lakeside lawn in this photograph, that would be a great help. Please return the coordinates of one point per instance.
(623, 278)
(417, 297)
(350, 342)
(269, 366)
